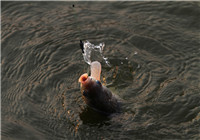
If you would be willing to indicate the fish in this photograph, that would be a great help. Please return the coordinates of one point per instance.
(96, 95)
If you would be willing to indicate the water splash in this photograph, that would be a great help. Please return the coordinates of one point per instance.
(88, 48)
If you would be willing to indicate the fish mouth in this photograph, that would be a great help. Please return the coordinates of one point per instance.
(83, 78)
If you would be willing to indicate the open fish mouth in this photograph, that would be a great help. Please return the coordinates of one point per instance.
(83, 78)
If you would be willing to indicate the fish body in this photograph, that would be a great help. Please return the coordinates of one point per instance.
(96, 95)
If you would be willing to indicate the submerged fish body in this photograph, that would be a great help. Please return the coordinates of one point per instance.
(97, 95)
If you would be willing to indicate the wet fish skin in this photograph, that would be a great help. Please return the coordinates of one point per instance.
(99, 97)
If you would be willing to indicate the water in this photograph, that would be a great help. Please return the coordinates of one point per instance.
(87, 50)
(154, 52)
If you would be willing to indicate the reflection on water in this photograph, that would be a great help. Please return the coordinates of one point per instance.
(95, 118)
(154, 55)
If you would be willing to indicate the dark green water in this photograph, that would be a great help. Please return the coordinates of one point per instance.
(154, 52)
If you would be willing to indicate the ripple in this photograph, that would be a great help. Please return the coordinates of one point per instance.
(153, 49)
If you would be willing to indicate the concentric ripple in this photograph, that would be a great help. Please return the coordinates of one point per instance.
(154, 55)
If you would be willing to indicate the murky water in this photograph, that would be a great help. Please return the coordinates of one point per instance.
(154, 52)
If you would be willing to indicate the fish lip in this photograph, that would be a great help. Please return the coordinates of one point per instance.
(83, 78)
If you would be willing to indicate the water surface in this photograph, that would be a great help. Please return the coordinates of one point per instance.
(154, 52)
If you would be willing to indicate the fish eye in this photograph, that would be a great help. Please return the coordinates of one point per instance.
(98, 82)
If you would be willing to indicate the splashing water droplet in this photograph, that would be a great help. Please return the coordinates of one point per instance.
(138, 66)
(135, 52)
(88, 48)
